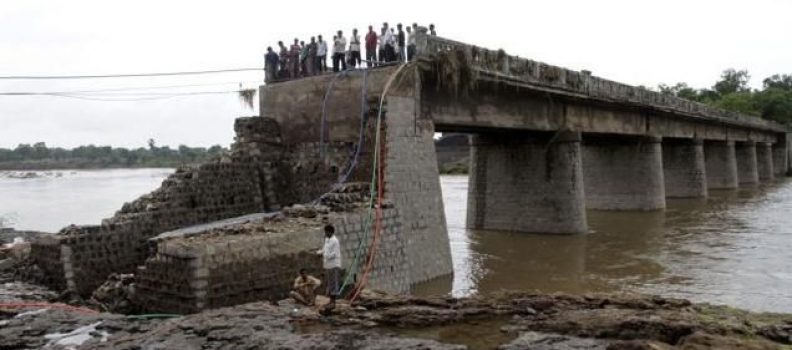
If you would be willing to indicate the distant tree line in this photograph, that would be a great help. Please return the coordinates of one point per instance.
(39, 156)
(731, 92)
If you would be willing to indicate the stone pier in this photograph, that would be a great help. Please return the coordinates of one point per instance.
(624, 173)
(684, 169)
(764, 161)
(526, 182)
(721, 165)
(747, 170)
(780, 160)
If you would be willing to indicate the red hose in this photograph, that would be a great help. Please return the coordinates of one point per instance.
(377, 227)
(62, 306)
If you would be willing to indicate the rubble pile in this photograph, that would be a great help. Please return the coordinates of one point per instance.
(117, 295)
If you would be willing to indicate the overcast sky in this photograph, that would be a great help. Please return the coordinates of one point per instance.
(632, 41)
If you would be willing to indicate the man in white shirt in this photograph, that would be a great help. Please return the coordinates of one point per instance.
(321, 55)
(331, 262)
(354, 48)
(339, 48)
(381, 51)
(390, 51)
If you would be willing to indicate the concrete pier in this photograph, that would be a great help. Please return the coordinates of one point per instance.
(684, 169)
(747, 169)
(721, 165)
(526, 183)
(780, 160)
(764, 161)
(624, 173)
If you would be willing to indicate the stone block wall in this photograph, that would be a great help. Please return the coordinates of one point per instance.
(721, 165)
(390, 271)
(412, 178)
(684, 169)
(259, 261)
(194, 195)
(412, 183)
(747, 169)
(47, 252)
(623, 173)
(527, 182)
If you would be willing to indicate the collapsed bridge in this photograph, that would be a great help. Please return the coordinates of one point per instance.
(547, 144)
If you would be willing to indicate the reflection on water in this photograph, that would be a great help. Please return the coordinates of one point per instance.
(732, 248)
(48, 203)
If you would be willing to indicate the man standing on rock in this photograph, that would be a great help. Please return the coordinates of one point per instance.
(331, 254)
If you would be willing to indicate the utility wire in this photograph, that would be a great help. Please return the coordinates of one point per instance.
(52, 77)
(161, 97)
(137, 88)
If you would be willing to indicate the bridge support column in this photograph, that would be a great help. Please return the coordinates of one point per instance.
(780, 164)
(764, 161)
(683, 168)
(721, 165)
(747, 169)
(526, 183)
(624, 173)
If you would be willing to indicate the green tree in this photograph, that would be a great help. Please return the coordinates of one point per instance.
(780, 82)
(742, 102)
(732, 81)
(775, 104)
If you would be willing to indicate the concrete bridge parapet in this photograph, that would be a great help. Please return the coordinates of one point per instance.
(526, 182)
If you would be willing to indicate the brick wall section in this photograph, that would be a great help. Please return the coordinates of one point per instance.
(390, 272)
(190, 196)
(684, 169)
(526, 183)
(188, 275)
(721, 164)
(624, 173)
(413, 185)
(747, 171)
(47, 252)
(764, 161)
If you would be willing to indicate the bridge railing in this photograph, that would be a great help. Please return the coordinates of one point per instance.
(498, 64)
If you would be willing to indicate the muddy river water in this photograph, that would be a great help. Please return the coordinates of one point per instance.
(734, 248)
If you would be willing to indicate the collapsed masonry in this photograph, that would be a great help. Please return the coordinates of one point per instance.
(199, 241)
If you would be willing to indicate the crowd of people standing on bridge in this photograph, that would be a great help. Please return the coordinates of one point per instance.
(302, 59)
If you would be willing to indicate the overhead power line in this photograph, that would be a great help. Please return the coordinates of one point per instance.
(53, 77)
(135, 88)
(132, 98)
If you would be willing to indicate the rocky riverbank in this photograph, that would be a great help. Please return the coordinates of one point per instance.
(506, 321)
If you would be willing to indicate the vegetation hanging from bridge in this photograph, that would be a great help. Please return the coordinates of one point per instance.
(450, 70)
